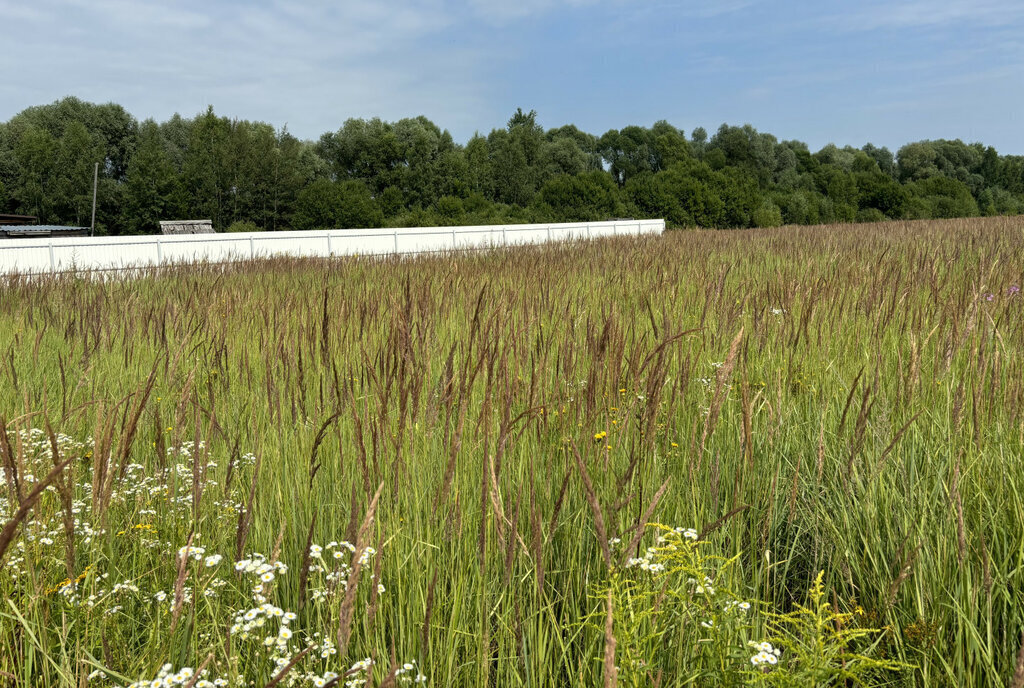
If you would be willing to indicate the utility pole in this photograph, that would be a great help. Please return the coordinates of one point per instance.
(95, 178)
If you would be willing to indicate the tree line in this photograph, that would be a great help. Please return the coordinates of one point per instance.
(249, 176)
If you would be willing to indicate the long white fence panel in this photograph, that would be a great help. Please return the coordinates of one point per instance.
(55, 254)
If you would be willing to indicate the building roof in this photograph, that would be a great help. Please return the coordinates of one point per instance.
(6, 219)
(186, 226)
(40, 230)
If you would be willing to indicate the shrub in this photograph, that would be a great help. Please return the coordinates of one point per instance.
(767, 215)
(243, 226)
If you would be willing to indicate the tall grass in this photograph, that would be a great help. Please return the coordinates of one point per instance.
(483, 439)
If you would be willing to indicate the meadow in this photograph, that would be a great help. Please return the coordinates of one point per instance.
(785, 457)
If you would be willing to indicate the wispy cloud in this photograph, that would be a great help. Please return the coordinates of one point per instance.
(928, 14)
(809, 69)
(502, 11)
(304, 63)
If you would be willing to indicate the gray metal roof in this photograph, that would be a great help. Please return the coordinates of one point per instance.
(40, 229)
(186, 226)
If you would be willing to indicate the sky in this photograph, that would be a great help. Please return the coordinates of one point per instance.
(885, 72)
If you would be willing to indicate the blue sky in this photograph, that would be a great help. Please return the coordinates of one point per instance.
(818, 71)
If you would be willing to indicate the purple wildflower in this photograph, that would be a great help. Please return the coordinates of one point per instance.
(1013, 290)
(990, 297)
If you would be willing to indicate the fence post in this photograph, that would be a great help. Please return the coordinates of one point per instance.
(396, 241)
(53, 263)
(252, 247)
(159, 251)
(455, 241)
(504, 235)
(330, 251)
(549, 234)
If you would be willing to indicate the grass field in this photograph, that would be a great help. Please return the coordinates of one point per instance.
(448, 470)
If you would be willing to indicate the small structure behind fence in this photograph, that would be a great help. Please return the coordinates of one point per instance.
(35, 231)
(186, 226)
(54, 254)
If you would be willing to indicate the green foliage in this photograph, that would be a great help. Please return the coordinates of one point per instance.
(767, 215)
(754, 153)
(798, 207)
(36, 153)
(630, 152)
(152, 185)
(651, 195)
(113, 129)
(838, 158)
(588, 196)
(838, 436)
(451, 210)
(331, 205)
(679, 589)
(563, 156)
(870, 215)
(876, 191)
(692, 193)
(516, 165)
(242, 226)
(942, 197)
(205, 183)
(740, 193)
(838, 186)
(822, 646)
(999, 201)
(586, 143)
(77, 156)
(239, 170)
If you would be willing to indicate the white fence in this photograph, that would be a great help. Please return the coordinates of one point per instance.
(55, 254)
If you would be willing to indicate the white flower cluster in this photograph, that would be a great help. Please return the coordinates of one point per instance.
(193, 552)
(671, 539)
(360, 672)
(265, 571)
(735, 604)
(37, 442)
(407, 673)
(186, 449)
(767, 656)
(705, 588)
(327, 648)
(646, 562)
(168, 678)
(199, 554)
(271, 633)
(250, 620)
(364, 558)
(335, 567)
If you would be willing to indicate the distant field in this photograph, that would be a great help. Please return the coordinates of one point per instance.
(448, 470)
